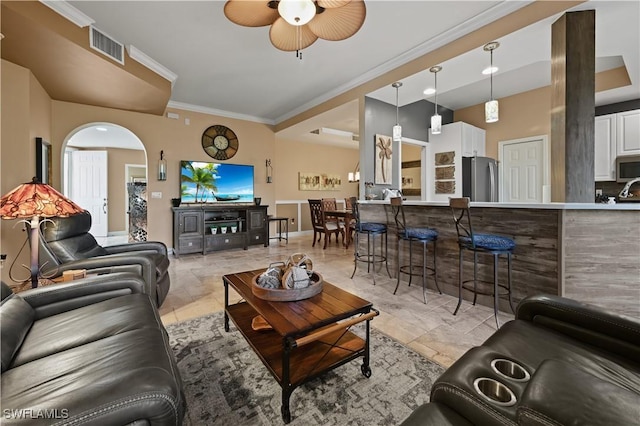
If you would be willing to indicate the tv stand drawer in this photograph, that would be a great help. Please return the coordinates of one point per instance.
(225, 241)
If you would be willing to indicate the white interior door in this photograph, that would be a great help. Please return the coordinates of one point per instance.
(89, 187)
(524, 175)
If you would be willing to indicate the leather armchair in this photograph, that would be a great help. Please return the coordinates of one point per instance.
(580, 365)
(91, 351)
(67, 244)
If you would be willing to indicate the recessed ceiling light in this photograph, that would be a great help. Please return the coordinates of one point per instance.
(429, 91)
(101, 129)
(489, 70)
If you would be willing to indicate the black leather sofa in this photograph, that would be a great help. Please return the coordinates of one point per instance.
(65, 243)
(559, 362)
(87, 352)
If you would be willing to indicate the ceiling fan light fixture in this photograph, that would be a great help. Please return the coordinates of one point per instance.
(297, 24)
(297, 12)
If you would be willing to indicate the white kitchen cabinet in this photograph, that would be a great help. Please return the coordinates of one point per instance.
(628, 132)
(473, 141)
(605, 147)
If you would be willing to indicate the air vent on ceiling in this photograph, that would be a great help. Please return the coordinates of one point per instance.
(106, 45)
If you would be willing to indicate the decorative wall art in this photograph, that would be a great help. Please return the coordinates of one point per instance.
(319, 182)
(383, 159)
(445, 172)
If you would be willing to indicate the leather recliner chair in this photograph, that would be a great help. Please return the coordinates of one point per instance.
(67, 244)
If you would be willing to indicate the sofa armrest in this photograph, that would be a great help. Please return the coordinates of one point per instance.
(561, 393)
(156, 246)
(140, 264)
(57, 298)
(592, 325)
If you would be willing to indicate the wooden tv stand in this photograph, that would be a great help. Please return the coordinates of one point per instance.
(193, 224)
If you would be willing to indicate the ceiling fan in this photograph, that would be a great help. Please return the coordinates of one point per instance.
(297, 24)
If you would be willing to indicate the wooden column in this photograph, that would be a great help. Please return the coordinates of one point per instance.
(573, 107)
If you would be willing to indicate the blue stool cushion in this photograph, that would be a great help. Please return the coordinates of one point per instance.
(489, 242)
(420, 233)
(371, 227)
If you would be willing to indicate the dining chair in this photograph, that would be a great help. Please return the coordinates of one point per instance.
(321, 226)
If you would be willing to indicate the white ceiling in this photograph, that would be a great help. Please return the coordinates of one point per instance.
(234, 71)
(101, 135)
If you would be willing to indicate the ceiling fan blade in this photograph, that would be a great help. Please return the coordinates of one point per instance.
(250, 13)
(330, 4)
(286, 37)
(339, 23)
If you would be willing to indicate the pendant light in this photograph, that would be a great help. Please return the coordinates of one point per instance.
(397, 129)
(491, 109)
(436, 119)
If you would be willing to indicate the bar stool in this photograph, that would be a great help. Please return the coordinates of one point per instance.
(495, 245)
(371, 230)
(424, 236)
(280, 221)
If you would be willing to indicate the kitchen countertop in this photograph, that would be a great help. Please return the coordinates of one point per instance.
(547, 206)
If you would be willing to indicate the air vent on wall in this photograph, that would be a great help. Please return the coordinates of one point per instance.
(106, 45)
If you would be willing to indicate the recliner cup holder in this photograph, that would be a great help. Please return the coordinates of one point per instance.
(494, 391)
(510, 369)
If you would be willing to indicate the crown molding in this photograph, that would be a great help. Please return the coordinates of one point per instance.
(71, 13)
(141, 57)
(488, 16)
(219, 112)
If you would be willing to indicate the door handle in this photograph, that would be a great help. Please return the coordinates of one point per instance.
(104, 206)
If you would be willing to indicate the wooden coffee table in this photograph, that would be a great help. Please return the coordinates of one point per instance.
(308, 338)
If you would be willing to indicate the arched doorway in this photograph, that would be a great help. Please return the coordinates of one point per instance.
(104, 170)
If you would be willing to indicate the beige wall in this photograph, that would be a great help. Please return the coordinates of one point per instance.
(522, 115)
(26, 114)
(294, 157)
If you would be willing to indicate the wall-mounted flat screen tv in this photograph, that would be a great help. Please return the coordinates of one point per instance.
(203, 182)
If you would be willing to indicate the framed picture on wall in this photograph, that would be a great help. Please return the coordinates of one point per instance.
(383, 159)
(43, 161)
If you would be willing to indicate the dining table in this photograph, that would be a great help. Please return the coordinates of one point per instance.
(347, 215)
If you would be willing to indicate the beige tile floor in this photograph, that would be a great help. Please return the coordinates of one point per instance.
(431, 329)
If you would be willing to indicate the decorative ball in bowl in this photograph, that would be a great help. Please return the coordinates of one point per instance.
(282, 294)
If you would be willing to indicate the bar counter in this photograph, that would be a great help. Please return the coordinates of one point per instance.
(587, 252)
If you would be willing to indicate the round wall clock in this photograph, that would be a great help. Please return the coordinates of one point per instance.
(220, 142)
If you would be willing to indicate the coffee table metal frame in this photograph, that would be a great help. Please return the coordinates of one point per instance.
(309, 337)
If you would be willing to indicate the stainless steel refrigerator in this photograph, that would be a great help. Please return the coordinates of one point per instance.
(480, 178)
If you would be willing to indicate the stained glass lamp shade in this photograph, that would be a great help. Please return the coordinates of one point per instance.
(33, 201)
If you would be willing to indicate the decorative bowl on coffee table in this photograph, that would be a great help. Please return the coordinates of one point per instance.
(287, 294)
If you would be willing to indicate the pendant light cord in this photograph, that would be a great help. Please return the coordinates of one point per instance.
(435, 76)
(491, 76)
(397, 107)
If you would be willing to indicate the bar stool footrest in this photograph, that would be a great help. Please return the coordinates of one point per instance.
(416, 270)
(468, 285)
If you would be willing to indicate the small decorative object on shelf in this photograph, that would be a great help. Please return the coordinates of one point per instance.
(175, 202)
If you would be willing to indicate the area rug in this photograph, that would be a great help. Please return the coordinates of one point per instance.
(227, 384)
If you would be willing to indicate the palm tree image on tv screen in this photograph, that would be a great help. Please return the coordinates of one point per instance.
(204, 182)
